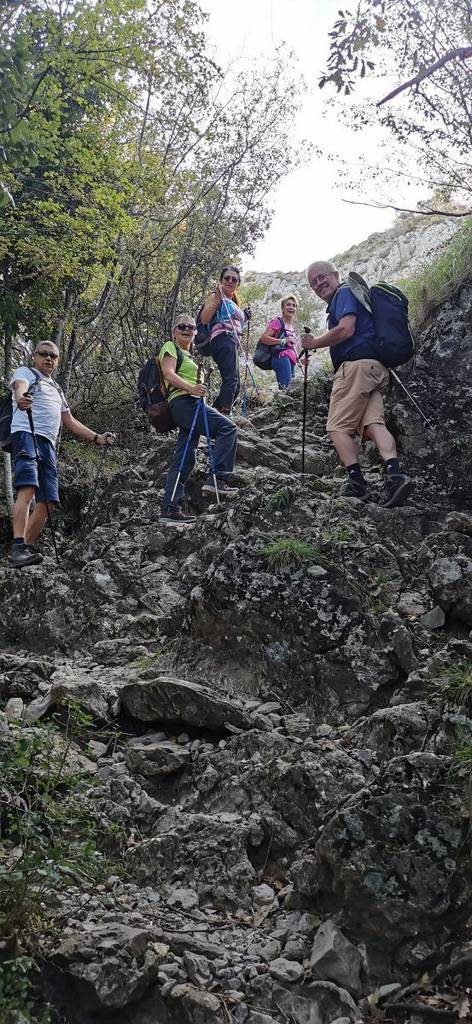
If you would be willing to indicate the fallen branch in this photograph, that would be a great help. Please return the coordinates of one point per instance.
(464, 52)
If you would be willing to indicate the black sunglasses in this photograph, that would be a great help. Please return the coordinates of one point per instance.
(185, 327)
(52, 355)
(231, 280)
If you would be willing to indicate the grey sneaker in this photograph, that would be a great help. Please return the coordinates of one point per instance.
(22, 555)
(356, 489)
(224, 489)
(175, 517)
(398, 488)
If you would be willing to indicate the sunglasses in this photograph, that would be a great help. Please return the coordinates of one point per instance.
(231, 280)
(43, 355)
(185, 327)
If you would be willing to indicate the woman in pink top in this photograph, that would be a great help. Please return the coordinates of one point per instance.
(281, 332)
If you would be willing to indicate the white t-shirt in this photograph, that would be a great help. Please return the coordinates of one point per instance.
(48, 405)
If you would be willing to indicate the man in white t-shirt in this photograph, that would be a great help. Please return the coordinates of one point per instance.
(35, 391)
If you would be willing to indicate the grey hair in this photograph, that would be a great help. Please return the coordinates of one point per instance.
(45, 341)
(178, 318)
(324, 266)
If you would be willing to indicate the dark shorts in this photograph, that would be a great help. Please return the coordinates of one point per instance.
(26, 469)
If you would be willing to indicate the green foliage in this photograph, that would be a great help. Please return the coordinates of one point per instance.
(432, 125)
(17, 990)
(48, 835)
(89, 458)
(290, 551)
(322, 486)
(438, 281)
(455, 686)
(341, 535)
(251, 291)
(279, 499)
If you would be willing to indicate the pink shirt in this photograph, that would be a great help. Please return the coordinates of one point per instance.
(291, 339)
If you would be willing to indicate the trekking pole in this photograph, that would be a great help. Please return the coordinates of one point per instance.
(238, 341)
(410, 396)
(192, 428)
(244, 401)
(48, 513)
(210, 449)
(304, 352)
(199, 407)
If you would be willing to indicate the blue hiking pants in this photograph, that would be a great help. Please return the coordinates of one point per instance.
(284, 370)
(224, 350)
(222, 431)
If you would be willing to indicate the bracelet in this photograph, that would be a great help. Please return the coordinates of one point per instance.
(94, 438)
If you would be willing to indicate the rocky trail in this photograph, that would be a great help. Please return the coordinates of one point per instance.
(268, 751)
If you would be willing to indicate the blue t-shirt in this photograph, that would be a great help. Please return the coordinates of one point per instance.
(362, 344)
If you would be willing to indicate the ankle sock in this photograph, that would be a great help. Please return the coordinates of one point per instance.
(18, 540)
(392, 466)
(355, 473)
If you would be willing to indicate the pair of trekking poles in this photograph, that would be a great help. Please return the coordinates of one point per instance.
(200, 407)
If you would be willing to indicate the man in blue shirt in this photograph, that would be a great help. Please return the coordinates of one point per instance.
(356, 405)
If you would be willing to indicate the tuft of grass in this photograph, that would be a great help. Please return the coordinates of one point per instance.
(286, 551)
(438, 281)
(322, 486)
(278, 500)
(343, 535)
(455, 686)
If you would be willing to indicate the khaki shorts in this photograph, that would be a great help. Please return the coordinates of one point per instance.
(357, 396)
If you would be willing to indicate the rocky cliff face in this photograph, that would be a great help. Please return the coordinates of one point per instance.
(268, 753)
(393, 255)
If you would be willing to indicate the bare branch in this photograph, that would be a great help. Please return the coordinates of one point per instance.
(405, 209)
(463, 52)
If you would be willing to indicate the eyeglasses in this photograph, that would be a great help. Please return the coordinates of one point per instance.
(231, 280)
(185, 327)
(44, 355)
(314, 281)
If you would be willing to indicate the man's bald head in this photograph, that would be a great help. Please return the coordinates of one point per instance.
(324, 278)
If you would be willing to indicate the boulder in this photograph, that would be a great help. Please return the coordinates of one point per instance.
(334, 958)
(168, 699)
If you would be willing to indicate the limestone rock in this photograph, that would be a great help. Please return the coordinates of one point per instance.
(154, 758)
(334, 958)
(168, 699)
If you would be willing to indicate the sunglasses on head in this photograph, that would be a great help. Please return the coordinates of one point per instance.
(185, 327)
(52, 355)
(231, 280)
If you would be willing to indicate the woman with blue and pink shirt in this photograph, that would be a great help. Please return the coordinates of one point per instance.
(280, 334)
(223, 314)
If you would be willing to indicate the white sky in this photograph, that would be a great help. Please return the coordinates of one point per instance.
(310, 220)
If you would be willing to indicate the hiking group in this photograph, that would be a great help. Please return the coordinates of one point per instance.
(174, 396)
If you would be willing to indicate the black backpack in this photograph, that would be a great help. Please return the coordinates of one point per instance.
(201, 340)
(263, 353)
(389, 309)
(153, 391)
(6, 413)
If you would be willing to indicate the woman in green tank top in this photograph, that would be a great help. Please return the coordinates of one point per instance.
(184, 392)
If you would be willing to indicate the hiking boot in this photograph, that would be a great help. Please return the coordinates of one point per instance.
(175, 517)
(22, 554)
(356, 489)
(224, 489)
(398, 488)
